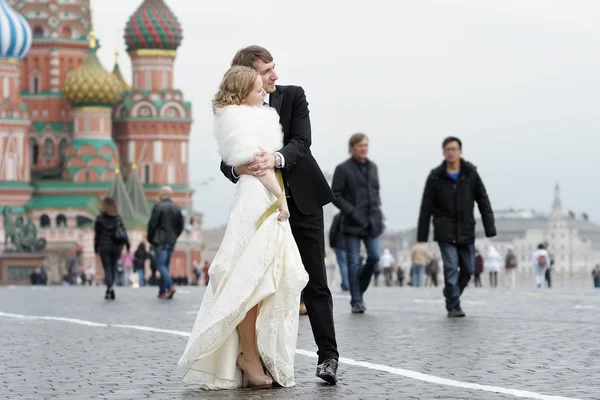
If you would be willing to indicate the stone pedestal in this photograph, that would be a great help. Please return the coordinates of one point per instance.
(15, 268)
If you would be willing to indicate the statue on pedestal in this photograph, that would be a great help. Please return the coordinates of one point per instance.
(22, 236)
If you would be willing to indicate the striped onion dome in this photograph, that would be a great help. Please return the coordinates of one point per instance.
(15, 33)
(153, 26)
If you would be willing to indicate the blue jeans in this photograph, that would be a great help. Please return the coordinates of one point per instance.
(163, 258)
(342, 260)
(140, 273)
(418, 275)
(359, 278)
(459, 263)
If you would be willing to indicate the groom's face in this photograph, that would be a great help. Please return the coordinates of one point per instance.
(268, 74)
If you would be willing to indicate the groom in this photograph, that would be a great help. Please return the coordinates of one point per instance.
(307, 191)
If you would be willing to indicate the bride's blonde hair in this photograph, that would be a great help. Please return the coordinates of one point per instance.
(238, 82)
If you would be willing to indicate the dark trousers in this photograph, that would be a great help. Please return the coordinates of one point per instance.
(478, 280)
(459, 263)
(434, 279)
(308, 231)
(549, 277)
(109, 261)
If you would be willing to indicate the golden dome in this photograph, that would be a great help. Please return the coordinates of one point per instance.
(91, 84)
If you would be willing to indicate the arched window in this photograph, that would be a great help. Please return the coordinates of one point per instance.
(44, 221)
(146, 179)
(48, 147)
(34, 149)
(67, 32)
(35, 82)
(61, 221)
(38, 31)
(62, 147)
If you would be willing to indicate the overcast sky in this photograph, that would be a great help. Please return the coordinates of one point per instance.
(516, 80)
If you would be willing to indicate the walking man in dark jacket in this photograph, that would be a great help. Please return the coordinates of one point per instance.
(356, 188)
(165, 225)
(450, 194)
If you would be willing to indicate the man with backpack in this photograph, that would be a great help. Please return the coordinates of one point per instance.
(541, 263)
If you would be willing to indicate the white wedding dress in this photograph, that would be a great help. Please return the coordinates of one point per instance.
(253, 266)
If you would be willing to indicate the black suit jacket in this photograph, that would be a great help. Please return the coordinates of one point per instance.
(303, 177)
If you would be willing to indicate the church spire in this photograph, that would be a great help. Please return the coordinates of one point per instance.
(557, 203)
(135, 190)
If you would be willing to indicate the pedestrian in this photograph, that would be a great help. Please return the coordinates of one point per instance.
(511, 262)
(479, 267)
(433, 269)
(387, 262)
(541, 263)
(110, 236)
(139, 262)
(450, 194)
(164, 228)
(596, 276)
(356, 188)
(420, 258)
(548, 273)
(494, 261)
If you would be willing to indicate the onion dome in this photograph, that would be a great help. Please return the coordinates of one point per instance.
(15, 33)
(91, 84)
(153, 26)
(116, 72)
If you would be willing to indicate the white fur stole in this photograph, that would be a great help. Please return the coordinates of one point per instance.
(244, 131)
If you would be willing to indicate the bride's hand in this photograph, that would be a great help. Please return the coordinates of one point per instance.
(284, 212)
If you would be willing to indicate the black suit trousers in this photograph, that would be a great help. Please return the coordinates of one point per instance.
(308, 231)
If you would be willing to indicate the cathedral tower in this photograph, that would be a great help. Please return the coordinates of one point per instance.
(60, 44)
(152, 122)
(92, 155)
(15, 42)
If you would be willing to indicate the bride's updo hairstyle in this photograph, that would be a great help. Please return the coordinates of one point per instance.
(238, 82)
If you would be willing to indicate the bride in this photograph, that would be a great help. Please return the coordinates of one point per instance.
(247, 326)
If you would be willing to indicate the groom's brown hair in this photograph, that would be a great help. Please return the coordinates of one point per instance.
(247, 56)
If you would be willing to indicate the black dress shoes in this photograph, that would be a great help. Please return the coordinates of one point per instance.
(328, 371)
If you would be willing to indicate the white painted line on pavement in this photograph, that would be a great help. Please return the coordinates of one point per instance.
(441, 301)
(377, 367)
(583, 307)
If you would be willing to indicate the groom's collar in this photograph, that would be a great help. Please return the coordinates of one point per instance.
(275, 99)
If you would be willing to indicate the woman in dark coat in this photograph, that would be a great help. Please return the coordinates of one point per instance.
(139, 262)
(106, 245)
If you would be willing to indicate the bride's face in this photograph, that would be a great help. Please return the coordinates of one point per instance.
(257, 95)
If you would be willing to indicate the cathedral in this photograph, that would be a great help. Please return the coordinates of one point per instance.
(71, 132)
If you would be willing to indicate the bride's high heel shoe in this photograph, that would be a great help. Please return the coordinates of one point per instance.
(256, 382)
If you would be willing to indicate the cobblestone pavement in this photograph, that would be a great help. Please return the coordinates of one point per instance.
(537, 344)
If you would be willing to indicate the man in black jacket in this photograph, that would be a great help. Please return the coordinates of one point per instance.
(164, 227)
(307, 192)
(356, 189)
(450, 194)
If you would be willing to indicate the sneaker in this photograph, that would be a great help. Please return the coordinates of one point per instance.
(357, 308)
(456, 313)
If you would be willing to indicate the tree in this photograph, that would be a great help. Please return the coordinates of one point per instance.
(585, 216)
